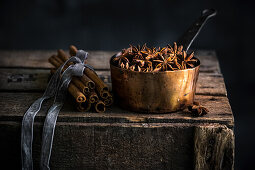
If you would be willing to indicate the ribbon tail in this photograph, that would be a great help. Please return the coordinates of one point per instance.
(48, 134)
(28, 122)
(27, 134)
(28, 119)
(51, 118)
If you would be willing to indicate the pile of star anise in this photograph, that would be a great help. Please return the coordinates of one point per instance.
(144, 59)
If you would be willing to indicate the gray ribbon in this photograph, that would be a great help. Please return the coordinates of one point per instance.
(57, 87)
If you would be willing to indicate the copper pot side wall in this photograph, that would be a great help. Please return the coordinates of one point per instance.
(158, 92)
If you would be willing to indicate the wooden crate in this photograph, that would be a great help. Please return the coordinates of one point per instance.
(116, 139)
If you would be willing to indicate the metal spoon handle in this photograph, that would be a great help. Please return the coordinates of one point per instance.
(190, 35)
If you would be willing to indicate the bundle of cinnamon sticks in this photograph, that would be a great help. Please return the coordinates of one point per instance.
(89, 91)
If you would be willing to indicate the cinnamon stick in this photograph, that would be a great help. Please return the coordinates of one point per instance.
(59, 60)
(76, 93)
(73, 90)
(53, 61)
(100, 85)
(72, 50)
(105, 94)
(108, 101)
(85, 84)
(62, 55)
(93, 98)
(83, 80)
(88, 82)
(84, 106)
(80, 85)
(100, 106)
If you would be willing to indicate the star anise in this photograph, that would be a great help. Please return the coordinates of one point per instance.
(135, 68)
(142, 58)
(151, 53)
(175, 50)
(121, 58)
(164, 63)
(188, 61)
(197, 110)
(138, 52)
(144, 65)
(148, 66)
(126, 66)
(139, 62)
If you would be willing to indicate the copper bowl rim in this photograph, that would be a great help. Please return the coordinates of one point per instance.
(159, 72)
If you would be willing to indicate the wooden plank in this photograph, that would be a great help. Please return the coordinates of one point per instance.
(13, 106)
(114, 145)
(36, 80)
(24, 79)
(98, 59)
(209, 61)
(211, 84)
(214, 148)
(39, 59)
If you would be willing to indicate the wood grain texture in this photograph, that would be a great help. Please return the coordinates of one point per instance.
(213, 148)
(110, 145)
(37, 79)
(13, 106)
(98, 59)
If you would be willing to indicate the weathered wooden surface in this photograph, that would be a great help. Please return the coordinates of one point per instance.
(99, 59)
(117, 139)
(213, 148)
(220, 112)
(109, 146)
(36, 80)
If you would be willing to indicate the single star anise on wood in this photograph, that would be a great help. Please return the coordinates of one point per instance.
(197, 110)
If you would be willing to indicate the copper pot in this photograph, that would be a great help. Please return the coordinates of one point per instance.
(154, 92)
(159, 92)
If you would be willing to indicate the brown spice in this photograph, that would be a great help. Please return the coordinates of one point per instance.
(197, 110)
(62, 55)
(105, 94)
(100, 106)
(93, 98)
(76, 93)
(84, 106)
(108, 101)
(84, 89)
(85, 85)
(53, 61)
(142, 58)
(73, 90)
(88, 82)
(72, 50)
(101, 87)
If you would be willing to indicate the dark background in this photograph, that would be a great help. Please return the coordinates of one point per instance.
(112, 25)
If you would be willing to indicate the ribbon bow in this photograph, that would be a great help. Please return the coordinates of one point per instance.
(56, 88)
